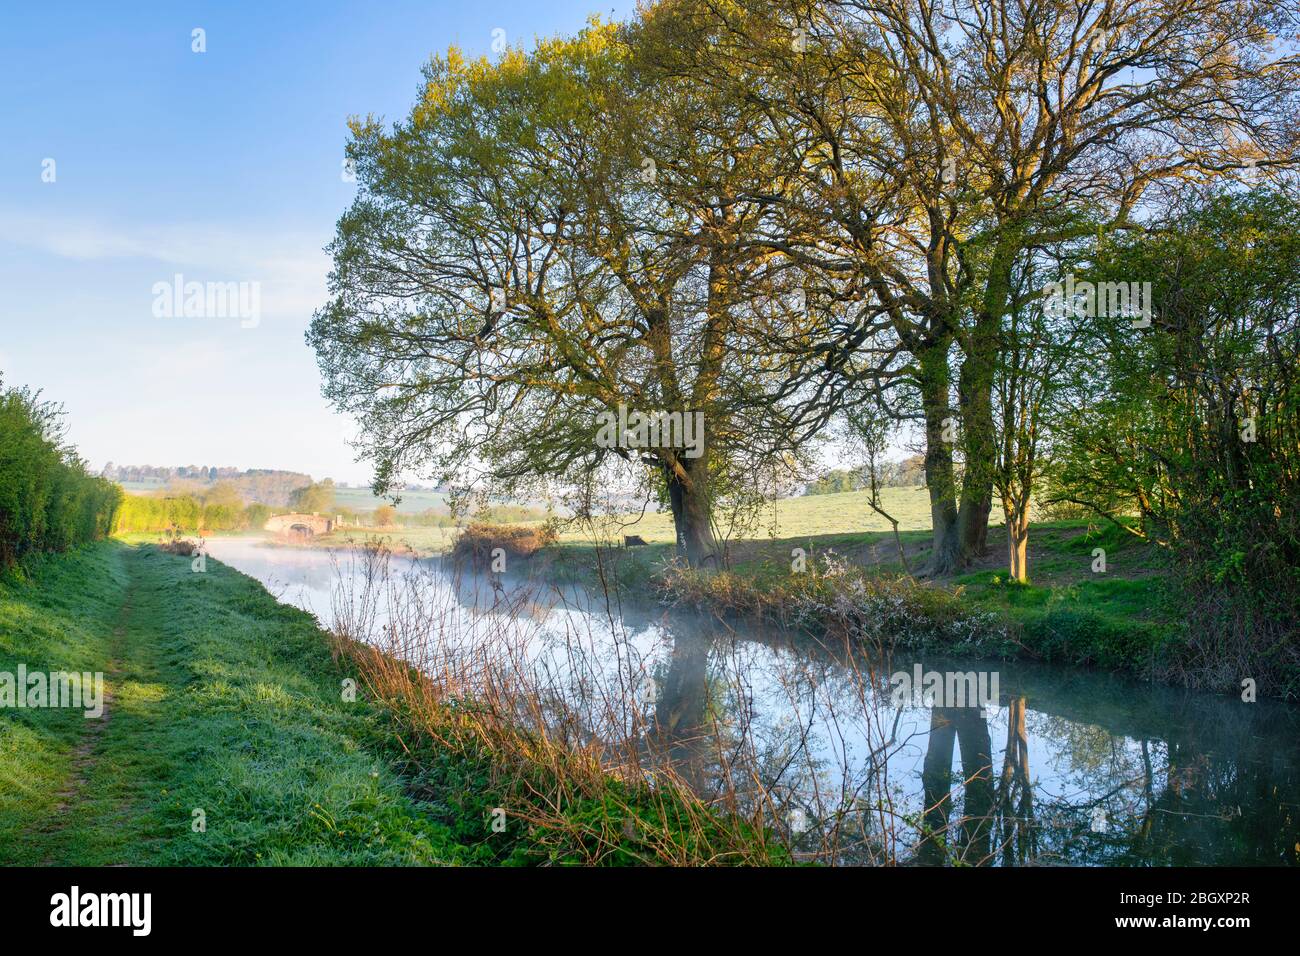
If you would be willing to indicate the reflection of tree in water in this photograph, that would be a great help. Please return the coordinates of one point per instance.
(966, 838)
(1104, 792)
(1217, 789)
(682, 723)
(809, 756)
(760, 721)
(1199, 783)
(1015, 832)
(1174, 802)
(997, 822)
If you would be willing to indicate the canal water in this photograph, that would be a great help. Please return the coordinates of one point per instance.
(843, 751)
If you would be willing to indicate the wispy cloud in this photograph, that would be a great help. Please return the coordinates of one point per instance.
(291, 266)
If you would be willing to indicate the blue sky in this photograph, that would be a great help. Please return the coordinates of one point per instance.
(221, 166)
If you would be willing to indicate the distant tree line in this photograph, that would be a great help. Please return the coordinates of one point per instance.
(266, 485)
(216, 511)
(164, 473)
(907, 473)
(49, 501)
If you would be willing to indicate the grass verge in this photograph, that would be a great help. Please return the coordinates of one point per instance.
(228, 739)
(1121, 619)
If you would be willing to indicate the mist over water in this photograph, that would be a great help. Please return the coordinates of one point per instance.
(1064, 767)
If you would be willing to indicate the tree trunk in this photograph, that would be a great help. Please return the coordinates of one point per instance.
(975, 393)
(973, 520)
(979, 441)
(935, 399)
(689, 495)
(1017, 542)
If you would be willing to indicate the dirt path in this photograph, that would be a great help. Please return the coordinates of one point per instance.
(89, 749)
(86, 752)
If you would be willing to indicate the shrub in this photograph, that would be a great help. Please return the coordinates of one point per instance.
(1194, 427)
(478, 541)
(48, 500)
(832, 596)
(139, 513)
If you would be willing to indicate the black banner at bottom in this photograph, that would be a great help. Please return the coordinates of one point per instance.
(367, 906)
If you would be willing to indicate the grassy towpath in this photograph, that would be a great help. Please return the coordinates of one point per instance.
(225, 738)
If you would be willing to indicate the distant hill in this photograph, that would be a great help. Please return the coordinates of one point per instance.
(275, 487)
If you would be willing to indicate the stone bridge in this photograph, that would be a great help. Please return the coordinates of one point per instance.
(300, 524)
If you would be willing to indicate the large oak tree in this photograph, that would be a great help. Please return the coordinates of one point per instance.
(552, 237)
(930, 147)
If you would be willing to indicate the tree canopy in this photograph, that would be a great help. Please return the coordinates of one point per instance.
(765, 213)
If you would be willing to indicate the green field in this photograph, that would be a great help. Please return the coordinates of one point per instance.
(844, 513)
(142, 487)
(816, 515)
(413, 502)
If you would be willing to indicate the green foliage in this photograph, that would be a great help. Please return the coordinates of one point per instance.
(1193, 425)
(1087, 637)
(139, 513)
(316, 498)
(1116, 624)
(834, 482)
(48, 500)
(144, 514)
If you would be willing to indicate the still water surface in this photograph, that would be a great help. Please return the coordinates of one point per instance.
(1063, 767)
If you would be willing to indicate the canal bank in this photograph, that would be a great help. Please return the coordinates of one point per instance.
(233, 733)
